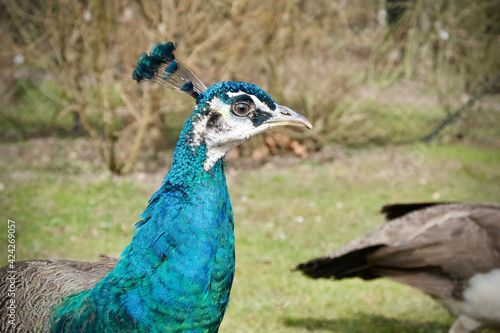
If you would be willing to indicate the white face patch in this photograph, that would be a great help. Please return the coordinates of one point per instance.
(228, 131)
(198, 130)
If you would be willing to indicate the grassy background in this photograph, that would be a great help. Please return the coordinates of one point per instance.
(286, 211)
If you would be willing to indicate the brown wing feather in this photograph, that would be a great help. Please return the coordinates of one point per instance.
(41, 285)
(436, 249)
(459, 246)
(430, 281)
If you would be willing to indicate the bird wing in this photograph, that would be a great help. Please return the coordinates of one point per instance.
(440, 260)
(42, 285)
(460, 245)
(423, 249)
(417, 222)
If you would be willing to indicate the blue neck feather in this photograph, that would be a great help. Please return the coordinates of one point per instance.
(177, 272)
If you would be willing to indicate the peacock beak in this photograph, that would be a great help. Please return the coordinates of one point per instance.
(284, 116)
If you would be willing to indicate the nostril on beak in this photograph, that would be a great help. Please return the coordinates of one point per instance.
(285, 113)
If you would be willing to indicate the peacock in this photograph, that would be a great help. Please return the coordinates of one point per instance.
(177, 272)
(450, 251)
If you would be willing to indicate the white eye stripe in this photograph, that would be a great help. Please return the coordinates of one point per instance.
(256, 101)
(233, 94)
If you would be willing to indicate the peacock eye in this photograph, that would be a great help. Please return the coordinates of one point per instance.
(241, 109)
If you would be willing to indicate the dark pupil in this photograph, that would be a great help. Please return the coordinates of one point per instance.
(241, 108)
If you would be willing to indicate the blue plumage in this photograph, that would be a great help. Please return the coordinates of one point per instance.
(149, 65)
(169, 278)
(177, 272)
(172, 68)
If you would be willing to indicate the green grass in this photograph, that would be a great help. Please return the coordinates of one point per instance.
(283, 216)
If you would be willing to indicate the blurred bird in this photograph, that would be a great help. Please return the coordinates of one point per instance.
(176, 274)
(449, 251)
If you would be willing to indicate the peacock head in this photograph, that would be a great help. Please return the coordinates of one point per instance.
(227, 113)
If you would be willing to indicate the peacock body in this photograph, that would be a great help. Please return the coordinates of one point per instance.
(177, 272)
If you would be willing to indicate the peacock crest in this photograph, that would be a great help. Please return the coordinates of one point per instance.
(162, 67)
